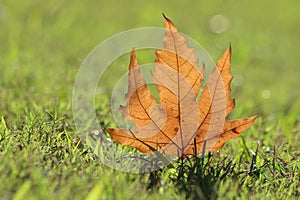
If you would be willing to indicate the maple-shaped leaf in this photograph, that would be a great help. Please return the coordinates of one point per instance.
(180, 125)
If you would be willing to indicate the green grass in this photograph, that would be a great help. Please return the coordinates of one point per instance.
(42, 45)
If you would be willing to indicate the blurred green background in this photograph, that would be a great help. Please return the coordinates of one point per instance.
(44, 43)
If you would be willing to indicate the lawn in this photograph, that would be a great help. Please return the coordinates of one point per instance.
(42, 46)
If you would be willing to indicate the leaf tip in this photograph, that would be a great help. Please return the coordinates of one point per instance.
(133, 61)
(254, 117)
(132, 51)
(166, 18)
(169, 23)
(230, 49)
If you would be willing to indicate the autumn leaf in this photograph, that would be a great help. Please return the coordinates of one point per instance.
(181, 125)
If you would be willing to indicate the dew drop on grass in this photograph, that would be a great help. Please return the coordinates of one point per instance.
(96, 132)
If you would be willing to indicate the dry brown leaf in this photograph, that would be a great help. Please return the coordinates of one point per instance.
(181, 126)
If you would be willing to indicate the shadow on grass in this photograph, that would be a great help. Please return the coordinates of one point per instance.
(198, 177)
